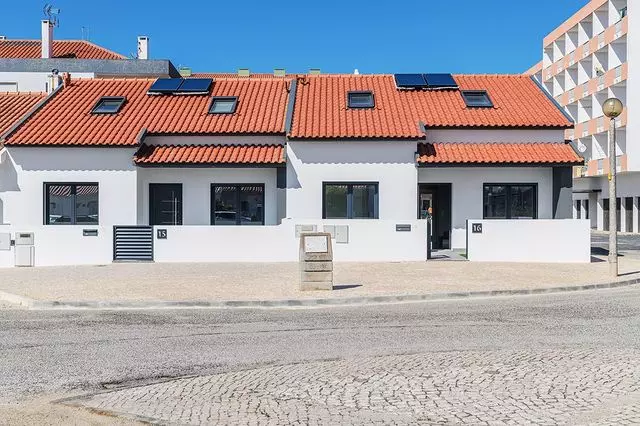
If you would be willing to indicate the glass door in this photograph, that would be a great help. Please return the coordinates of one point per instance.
(165, 204)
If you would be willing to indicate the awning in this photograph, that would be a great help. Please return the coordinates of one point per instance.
(497, 154)
(210, 155)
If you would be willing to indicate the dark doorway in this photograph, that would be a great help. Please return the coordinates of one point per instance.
(165, 204)
(438, 197)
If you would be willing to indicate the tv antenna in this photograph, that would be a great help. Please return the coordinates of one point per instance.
(51, 13)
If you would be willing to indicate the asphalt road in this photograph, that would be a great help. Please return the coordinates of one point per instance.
(71, 352)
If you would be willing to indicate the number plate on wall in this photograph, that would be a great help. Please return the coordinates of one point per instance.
(162, 234)
(476, 228)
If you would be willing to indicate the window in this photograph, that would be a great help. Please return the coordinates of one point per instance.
(71, 204)
(477, 99)
(350, 201)
(510, 201)
(360, 100)
(108, 105)
(223, 105)
(233, 204)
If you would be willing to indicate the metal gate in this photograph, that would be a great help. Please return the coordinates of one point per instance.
(133, 243)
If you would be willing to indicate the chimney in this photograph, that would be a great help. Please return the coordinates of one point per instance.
(314, 71)
(66, 79)
(143, 47)
(47, 39)
(279, 72)
(3, 37)
(244, 72)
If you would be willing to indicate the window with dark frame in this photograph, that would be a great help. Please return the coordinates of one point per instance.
(237, 204)
(223, 105)
(477, 98)
(510, 201)
(360, 99)
(350, 200)
(71, 204)
(108, 105)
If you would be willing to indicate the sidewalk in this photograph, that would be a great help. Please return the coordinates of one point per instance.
(146, 283)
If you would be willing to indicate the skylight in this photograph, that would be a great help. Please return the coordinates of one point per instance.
(223, 105)
(477, 99)
(108, 105)
(360, 99)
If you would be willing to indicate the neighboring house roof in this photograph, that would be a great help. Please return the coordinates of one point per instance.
(209, 154)
(15, 105)
(78, 49)
(66, 119)
(321, 107)
(497, 153)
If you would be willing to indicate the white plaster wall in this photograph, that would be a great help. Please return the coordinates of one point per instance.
(22, 193)
(34, 81)
(494, 135)
(633, 87)
(391, 164)
(369, 241)
(627, 185)
(551, 241)
(196, 190)
(467, 191)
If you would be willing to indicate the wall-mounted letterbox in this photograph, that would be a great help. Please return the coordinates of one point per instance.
(5, 241)
(25, 238)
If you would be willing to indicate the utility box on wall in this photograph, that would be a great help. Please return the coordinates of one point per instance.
(25, 252)
(316, 261)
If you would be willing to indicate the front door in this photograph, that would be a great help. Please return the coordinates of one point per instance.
(437, 198)
(165, 204)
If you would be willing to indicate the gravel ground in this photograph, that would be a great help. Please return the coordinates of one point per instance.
(270, 281)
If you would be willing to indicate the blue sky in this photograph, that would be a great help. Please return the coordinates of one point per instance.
(464, 36)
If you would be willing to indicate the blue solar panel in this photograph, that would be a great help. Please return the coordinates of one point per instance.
(165, 85)
(195, 85)
(410, 81)
(440, 81)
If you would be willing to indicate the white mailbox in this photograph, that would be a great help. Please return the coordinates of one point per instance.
(24, 238)
(5, 241)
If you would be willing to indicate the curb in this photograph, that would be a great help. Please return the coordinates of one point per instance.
(297, 303)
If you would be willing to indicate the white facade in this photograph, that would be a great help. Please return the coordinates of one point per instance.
(32, 81)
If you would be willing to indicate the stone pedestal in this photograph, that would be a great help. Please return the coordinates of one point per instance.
(316, 261)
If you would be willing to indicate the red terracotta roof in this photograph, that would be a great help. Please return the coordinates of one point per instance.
(321, 107)
(31, 49)
(261, 110)
(210, 154)
(497, 153)
(14, 105)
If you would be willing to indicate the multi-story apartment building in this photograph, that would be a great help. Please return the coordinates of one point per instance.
(590, 57)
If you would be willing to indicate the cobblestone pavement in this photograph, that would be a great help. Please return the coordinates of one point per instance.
(559, 386)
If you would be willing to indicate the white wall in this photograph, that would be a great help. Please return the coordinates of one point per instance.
(33, 81)
(549, 241)
(467, 190)
(491, 135)
(369, 240)
(196, 190)
(22, 179)
(391, 164)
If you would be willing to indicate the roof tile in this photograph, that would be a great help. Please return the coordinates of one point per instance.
(210, 154)
(261, 110)
(79, 49)
(497, 153)
(322, 112)
(14, 105)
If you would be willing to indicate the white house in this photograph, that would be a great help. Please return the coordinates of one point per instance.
(234, 168)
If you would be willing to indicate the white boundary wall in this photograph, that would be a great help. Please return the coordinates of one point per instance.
(369, 241)
(567, 241)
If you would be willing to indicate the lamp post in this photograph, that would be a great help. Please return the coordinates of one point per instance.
(612, 108)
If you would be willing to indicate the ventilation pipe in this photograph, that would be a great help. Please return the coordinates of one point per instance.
(47, 39)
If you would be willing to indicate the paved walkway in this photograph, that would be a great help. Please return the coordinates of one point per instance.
(545, 387)
(148, 282)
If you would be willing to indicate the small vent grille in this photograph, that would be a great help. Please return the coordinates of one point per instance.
(132, 243)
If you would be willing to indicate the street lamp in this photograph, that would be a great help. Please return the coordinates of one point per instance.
(612, 108)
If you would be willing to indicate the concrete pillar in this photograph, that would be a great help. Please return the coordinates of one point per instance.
(593, 210)
(583, 209)
(623, 214)
(575, 210)
(600, 213)
(562, 192)
(636, 214)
